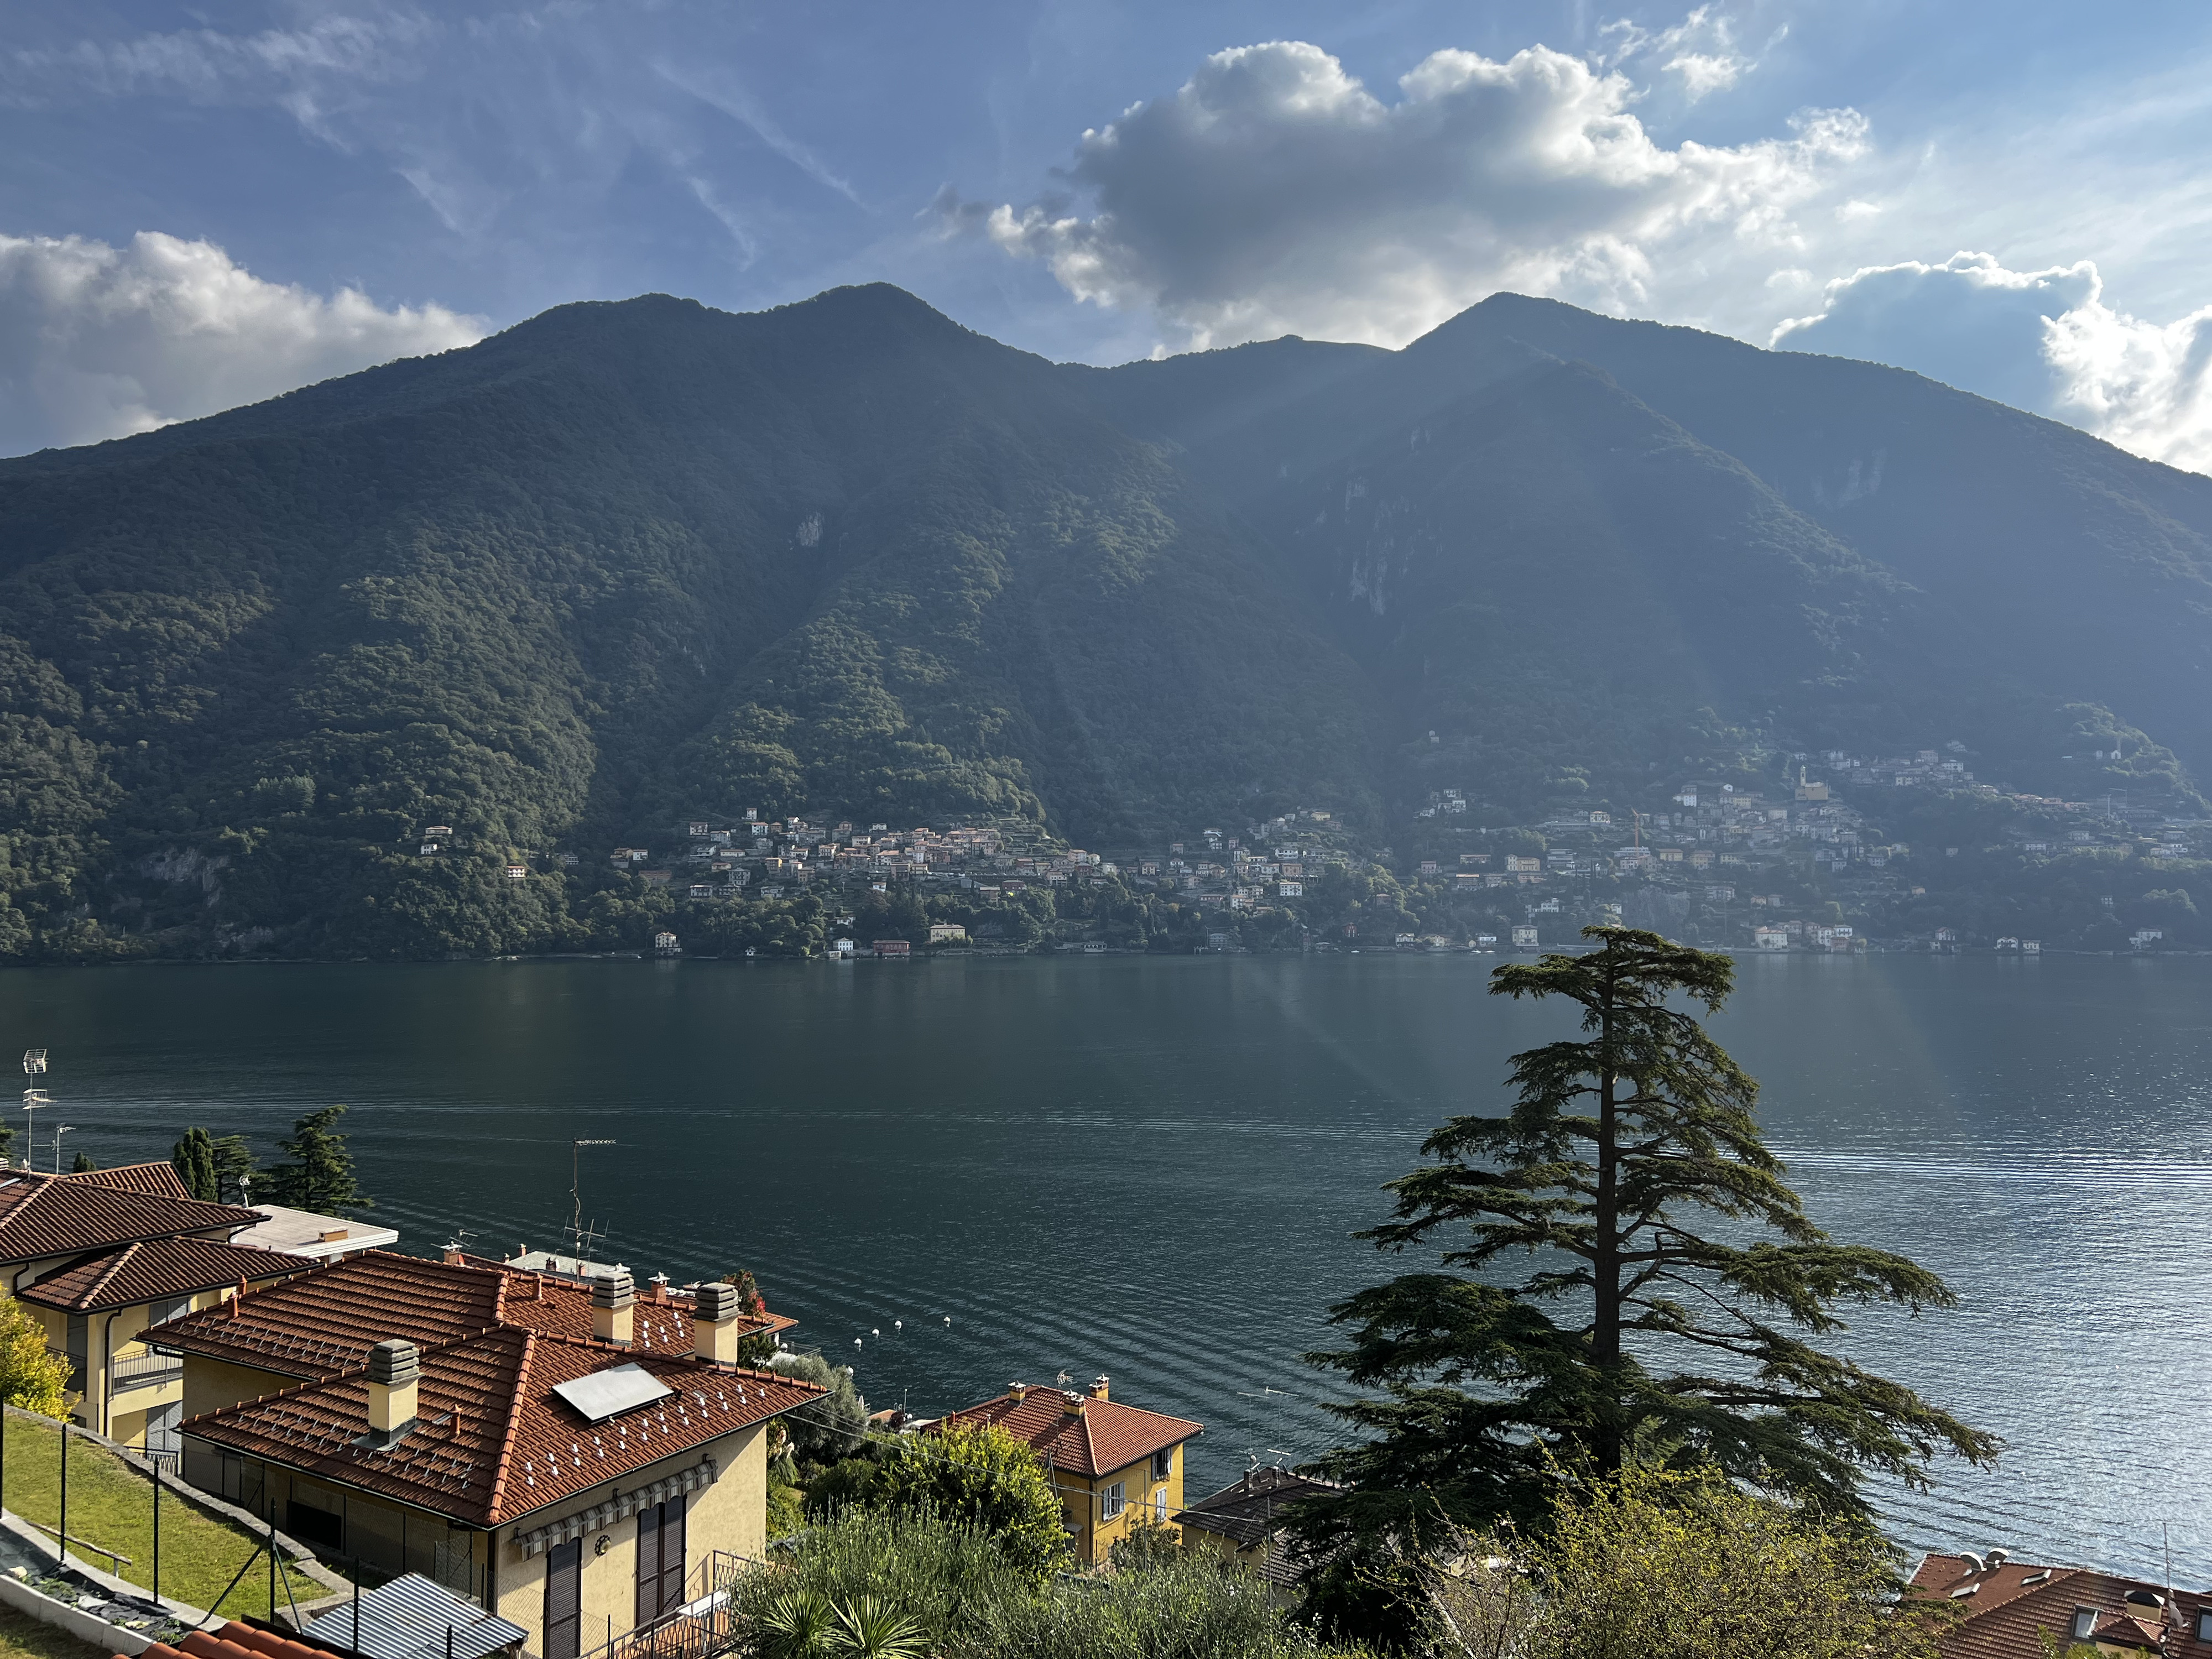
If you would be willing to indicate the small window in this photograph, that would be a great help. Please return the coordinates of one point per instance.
(1114, 1501)
(2204, 1625)
(1162, 1463)
(2084, 1621)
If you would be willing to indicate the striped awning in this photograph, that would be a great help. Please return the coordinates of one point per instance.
(698, 1476)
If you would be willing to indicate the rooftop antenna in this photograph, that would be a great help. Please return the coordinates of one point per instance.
(60, 1129)
(34, 1066)
(581, 1238)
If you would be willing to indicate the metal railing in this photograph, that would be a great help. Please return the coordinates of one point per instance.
(701, 1628)
(144, 1370)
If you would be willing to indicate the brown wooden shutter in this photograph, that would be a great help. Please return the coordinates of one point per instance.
(648, 1565)
(671, 1555)
(564, 1598)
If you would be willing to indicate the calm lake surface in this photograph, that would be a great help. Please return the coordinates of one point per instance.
(1148, 1166)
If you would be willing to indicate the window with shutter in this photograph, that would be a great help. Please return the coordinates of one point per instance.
(564, 1599)
(660, 1560)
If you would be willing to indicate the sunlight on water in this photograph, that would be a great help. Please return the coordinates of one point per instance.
(1150, 1167)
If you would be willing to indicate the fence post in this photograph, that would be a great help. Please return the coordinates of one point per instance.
(272, 1542)
(155, 1458)
(61, 1532)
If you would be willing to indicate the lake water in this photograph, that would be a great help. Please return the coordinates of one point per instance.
(1148, 1166)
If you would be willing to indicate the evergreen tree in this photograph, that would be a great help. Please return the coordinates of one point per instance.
(81, 1163)
(235, 1169)
(318, 1174)
(193, 1159)
(1632, 1337)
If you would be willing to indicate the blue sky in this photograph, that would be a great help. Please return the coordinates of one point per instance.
(203, 205)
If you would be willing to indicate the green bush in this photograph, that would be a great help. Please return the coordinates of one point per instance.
(979, 1475)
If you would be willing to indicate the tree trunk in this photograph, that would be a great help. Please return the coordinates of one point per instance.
(1605, 1254)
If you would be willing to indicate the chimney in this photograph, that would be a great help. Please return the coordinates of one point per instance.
(660, 1290)
(452, 1252)
(1018, 1392)
(394, 1369)
(611, 1308)
(1098, 1387)
(715, 1323)
(1072, 1403)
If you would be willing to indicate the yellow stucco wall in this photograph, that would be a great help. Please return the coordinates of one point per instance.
(730, 1516)
(211, 1384)
(1145, 1500)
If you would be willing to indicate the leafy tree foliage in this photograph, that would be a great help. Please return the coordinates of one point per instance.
(1660, 1564)
(193, 1159)
(833, 1424)
(1633, 1334)
(978, 1475)
(30, 1375)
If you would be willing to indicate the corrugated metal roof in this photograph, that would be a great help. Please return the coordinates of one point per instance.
(409, 1617)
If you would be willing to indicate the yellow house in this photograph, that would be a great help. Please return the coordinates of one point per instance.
(1116, 1467)
(98, 1256)
(579, 1462)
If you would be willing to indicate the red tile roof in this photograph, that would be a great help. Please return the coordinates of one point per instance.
(493, 1441)
(44, 1215)
(1105, 1435)
(2005, 1610)
(155, 1270)
(233, 1641)
(322, 1324)
(154, 1179)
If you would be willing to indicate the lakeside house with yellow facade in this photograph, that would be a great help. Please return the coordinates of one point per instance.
(1116, 1467)
(574, 1458)
(100, 1254)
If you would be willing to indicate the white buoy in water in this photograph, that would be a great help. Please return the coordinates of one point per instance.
(878, 1332)
(898, 1325)
(948, 1321)
(856, 1342)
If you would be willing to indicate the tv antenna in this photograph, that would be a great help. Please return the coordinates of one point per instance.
(581, 1238)
(34, 1066)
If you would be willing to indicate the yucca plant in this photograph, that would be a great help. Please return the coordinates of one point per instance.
(795, 1624)
(871, 1628)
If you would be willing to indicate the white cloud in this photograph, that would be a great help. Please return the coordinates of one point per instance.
(1702, 50)
(2040, 340)
(100, 342)
(1273, 191)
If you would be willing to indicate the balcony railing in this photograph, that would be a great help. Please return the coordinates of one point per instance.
(145, 1369)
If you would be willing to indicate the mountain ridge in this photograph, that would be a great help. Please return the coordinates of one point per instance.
(632, 562)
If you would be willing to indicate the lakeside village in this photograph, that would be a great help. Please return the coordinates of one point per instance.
(1797, 859)
(540, 1455)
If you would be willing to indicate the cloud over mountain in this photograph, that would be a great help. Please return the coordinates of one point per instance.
(1275, 191)
(2040, 340)
(100, 342)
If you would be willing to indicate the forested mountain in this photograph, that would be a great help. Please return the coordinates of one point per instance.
(626, 564)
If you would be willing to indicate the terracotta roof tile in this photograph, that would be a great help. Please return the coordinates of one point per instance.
(44, 1215)
(493, 1441)
(153, 1180)
(1105, 1435)
(153, 1270)
(2011, 1605)
(320, 1323)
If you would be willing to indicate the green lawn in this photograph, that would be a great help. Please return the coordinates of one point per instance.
(22, 1637)
(112, 1504)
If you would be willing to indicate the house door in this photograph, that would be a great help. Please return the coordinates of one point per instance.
(564, 1598)
(660, 1560)
(161, 1434)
